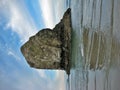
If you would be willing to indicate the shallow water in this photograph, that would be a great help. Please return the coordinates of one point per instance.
(95, 58)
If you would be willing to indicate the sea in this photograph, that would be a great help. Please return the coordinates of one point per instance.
(95, 45)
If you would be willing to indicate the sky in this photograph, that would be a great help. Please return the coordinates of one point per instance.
(20, 19)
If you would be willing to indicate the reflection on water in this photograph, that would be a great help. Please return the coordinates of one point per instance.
(95, 54)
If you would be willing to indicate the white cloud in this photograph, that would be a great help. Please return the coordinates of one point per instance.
(14, 55)
(41, 73)
(47, 13)
(57, 83)
(60, 80)
(19, 20)
(52, 11)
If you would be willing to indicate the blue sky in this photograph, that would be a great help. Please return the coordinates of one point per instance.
(20, 19)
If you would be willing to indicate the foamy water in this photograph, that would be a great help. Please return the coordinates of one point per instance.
(95, 58)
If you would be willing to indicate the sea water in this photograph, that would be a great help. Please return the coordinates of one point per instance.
(95, 53)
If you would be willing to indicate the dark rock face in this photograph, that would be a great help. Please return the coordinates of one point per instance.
(50, 49)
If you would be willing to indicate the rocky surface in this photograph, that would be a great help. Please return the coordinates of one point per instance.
(50, 49)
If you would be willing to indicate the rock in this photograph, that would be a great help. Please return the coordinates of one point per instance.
(50, 49)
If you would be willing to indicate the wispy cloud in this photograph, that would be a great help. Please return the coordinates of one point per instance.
(41, 73)
(11, 53)
(60, 80)
(52, 84)
(47, 12)
(52, 11)
(19, 20)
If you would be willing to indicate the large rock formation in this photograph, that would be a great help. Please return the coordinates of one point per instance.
(50, 49)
